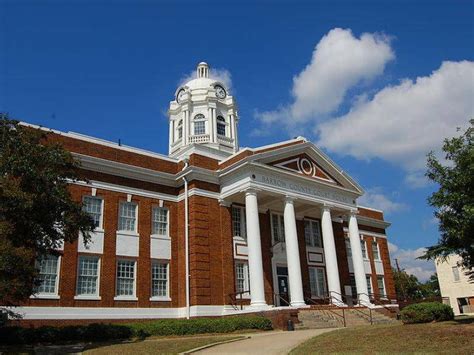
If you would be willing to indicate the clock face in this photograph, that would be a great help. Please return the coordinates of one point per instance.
(179, 97)
(220, 92)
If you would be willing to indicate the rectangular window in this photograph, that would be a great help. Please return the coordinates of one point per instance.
(381, 286)
(160, 221)
(180, 132)
(238, 222)
(364, 249)
(128, 216)
(375, 250)
(93, 206)
(278, 228)
(221, 129)
(455, 273)
(242, 277)
(125, 278)
(312, 233)
(88, 276)
(48, 275)
(369, 284)
(317, 281)
(348, 248)
(352, 282)
(159, 279)
(199, 127)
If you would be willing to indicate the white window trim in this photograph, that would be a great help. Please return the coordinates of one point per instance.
(246, 295)
(226, 124)
(384, 296)
(243, 225)
(366, 257)
(161, 236)
(95, 297)
(200, 119)
(166, 298)
(100, 228)
(370, 284)
(135, 276)
(325, 281)
(280, 216)
(127, 232)
(311, 221)
(378, 250)
(55, 295)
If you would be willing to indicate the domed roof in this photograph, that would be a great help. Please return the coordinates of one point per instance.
(202, 80)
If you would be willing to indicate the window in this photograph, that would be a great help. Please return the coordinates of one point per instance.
(128, 216)
(312, 234)
(352, 282)
(381, 286)
(455, 273)
(278, 228)
(364, 249)
(375, 250)
(93, 206)
(160, 221)
(88, 276)
(159, 279)
(126, 278)
(220, 125)
(48, 275)
(317, 281)
(199, 124)
(242, 277)
(180, 129)
(369, 284)
(348, 248)
(238, 222)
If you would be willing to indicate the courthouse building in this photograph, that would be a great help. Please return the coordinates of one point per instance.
(211, 225)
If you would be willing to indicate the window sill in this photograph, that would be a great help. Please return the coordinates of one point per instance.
(44, 297)
(129, 233)
(162, 237)
(240, 239)
(244, 297)
(98, 230)
(87, 298)
(160, 298)
(125, 298)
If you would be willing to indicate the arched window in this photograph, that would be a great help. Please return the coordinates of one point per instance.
(199, 124)
(180, 129)
(220, 125)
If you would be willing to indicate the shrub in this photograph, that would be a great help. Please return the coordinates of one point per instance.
(426, 312)
(102, 332)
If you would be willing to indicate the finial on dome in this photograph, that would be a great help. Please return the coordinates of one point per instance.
(203, 70)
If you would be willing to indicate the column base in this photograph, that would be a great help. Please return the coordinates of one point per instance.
(299, 304)
(261, 306)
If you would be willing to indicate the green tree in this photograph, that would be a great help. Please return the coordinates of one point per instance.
(407, 286)
(431, 287)
(454, 200)
(37, 213)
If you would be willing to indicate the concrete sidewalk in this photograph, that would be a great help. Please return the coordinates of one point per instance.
(275, 342)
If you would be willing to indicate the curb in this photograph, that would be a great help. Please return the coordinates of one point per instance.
(213, 344)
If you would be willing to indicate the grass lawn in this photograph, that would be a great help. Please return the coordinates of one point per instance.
(437, 338)
(159, 345)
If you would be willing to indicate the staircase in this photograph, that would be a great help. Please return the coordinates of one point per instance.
(318, 317)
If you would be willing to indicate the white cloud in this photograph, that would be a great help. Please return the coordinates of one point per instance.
(402, 123)
(407, 259)
(375, 198)
(219, 74)
(339, 62)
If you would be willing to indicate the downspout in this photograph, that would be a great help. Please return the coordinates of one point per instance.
(186, 238)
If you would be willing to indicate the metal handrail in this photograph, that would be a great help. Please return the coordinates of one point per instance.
(377, 302)
(233, 298)
(278, 296)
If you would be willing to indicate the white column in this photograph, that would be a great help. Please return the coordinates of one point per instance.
(330, 256)
(236, 135)
(186, 127)
(214, 124)
(171, 138)
(257, 290)
(293, 255)
(357, 259)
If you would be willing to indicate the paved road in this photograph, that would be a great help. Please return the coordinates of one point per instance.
(276, 342)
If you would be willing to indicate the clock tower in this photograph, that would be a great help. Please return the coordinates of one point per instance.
(203, 118)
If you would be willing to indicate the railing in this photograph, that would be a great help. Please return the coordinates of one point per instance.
(225, 139)
(374, 301)
(280, 298)
(233, 299)
(327, 300)
(201, 138)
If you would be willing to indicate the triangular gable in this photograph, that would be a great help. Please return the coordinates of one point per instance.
(304, 165)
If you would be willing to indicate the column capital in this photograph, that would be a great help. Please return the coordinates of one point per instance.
(224, 203)
(290, 199)
(353, 212)
(251, 191)
(326, 208)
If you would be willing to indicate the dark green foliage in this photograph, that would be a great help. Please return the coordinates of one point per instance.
(37, 213)
(454, 200)
(426, 312)
(408, 287)
(103, 332)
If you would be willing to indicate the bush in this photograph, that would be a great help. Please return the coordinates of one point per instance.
(103, 332)
(426, 312)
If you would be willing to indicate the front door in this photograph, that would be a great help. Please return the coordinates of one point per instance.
(283, 287)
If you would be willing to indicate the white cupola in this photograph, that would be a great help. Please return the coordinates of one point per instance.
(203, 117)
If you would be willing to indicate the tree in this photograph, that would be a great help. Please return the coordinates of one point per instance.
(407, 286)
(431, 287)
(37, 213)
(454, 200)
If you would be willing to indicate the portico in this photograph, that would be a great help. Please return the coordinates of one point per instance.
(288, 199)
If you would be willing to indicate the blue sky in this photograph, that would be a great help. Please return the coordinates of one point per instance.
(363, 80)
